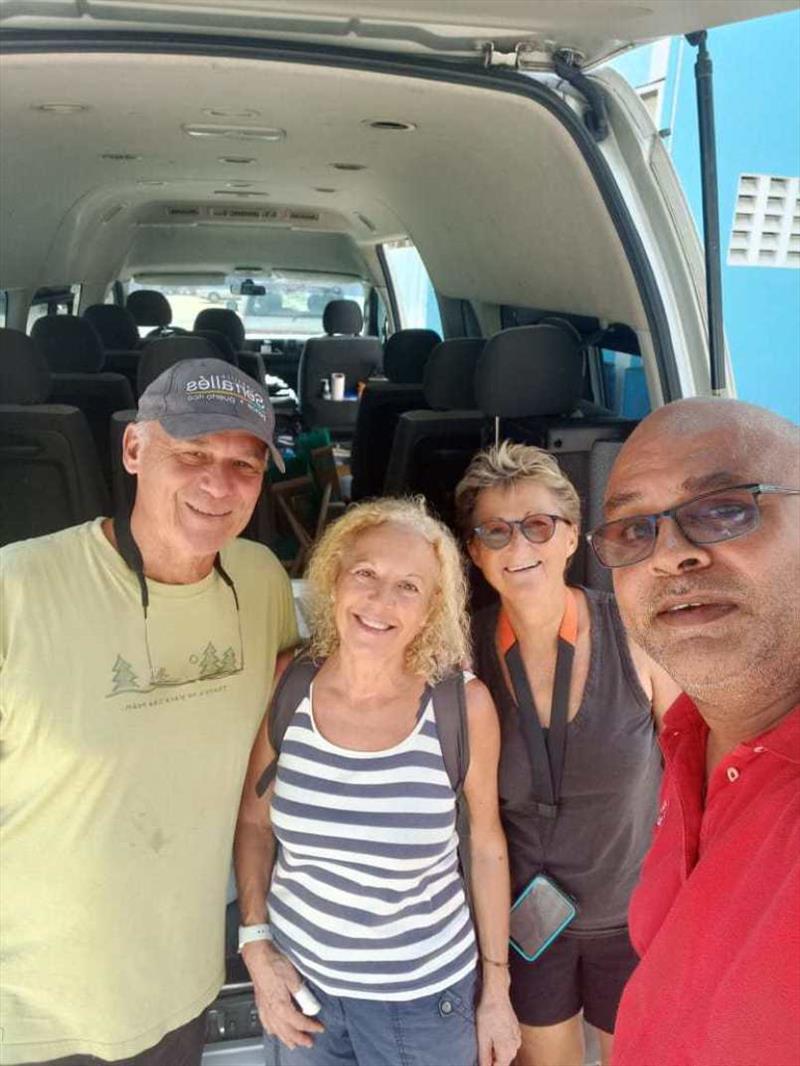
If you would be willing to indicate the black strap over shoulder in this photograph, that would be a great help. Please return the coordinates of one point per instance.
(291, 689)
(450, 709)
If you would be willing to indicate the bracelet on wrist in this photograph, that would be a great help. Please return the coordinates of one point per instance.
(248, 934)
(494, 962)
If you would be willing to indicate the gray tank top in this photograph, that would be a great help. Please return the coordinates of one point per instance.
(612, 772)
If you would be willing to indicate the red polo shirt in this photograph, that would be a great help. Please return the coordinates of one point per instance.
(716, 915)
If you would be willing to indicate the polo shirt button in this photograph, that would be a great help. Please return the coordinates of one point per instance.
(733, 774)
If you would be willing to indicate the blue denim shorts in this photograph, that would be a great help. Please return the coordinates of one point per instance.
(437, 1030)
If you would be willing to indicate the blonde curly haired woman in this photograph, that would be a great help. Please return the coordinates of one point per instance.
(366, 904)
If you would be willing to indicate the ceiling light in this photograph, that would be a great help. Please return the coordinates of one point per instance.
(323, 188)
(389, 125)
(225, 112)
(61, 109)
(235, 160)
(120, 157)
(236, 133)
(348, 166)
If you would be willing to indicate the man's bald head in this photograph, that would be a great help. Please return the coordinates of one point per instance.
(722, 618)
(753, 437)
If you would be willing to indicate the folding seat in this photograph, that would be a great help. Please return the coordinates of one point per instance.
(74, 352)
(431, 448)
(382, 402)
(342, 350)
(529, 380)
(50, 476)
(120, 338)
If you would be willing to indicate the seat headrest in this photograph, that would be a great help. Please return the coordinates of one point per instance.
(342, 316)
(70, 345)
(449, 372)
(24, 373)
(222, 320)
(221, 342)
(406, 353)
(149, 307)
(161, 353)
(530, 372)
(115, 325)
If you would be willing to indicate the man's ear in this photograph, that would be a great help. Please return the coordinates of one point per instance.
(132, 443)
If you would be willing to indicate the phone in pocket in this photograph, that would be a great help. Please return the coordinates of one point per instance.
(538, 915)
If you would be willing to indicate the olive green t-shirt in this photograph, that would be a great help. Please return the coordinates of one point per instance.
(124, 748)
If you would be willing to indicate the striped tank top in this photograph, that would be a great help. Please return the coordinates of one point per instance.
(366, 896)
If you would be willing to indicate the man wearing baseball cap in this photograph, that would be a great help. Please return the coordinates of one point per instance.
(137, 661)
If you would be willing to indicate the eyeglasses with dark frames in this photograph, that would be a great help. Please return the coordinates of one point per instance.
(721, 515)
(496, 533)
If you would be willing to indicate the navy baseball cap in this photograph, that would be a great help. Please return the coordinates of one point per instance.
(195, 397)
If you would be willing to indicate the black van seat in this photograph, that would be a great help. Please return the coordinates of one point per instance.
(342, 351)
(225, 349)
(115, 325)
(48, 462)
(120, 337)
(382, 402)
(431, 449)
(74, 352)
(225, 321)
(530, 378)
(150, 307)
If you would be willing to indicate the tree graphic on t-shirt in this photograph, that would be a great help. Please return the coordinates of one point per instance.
(124, 679)
(162, 677)
(228, 664)
(210, 664)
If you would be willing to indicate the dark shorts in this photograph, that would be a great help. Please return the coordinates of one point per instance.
(576, 972)
(180, 1047)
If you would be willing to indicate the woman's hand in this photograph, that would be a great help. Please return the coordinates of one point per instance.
(274, 980)
(498, 1029)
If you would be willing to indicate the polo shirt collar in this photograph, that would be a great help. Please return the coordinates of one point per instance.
(782, 740)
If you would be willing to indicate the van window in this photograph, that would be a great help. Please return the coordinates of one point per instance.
(291, 305)
(53, 301)
(413, 289)
(625, 385)
(3, 307)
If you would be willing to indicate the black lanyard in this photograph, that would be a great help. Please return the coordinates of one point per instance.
(129, 550)
(546, 753)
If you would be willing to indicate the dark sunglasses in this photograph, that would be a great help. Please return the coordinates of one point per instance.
(537, 528)
(715, 516)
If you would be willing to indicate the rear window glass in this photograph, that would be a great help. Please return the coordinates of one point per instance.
(291, 305)
(3, 307)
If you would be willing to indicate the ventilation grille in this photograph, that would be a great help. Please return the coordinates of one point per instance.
(766, 222)
(183, 212)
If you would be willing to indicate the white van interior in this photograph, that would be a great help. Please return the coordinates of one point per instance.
(195, 178)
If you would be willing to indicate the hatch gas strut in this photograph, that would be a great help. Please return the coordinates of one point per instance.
(703, 76)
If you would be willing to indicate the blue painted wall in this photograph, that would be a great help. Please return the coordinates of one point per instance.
(757, 106)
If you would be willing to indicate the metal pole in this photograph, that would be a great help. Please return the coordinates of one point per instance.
(703, 73)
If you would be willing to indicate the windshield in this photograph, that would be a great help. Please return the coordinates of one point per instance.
(291, 306)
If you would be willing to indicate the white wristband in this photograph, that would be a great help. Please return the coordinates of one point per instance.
(249, 933)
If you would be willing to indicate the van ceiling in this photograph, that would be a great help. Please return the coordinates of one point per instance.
(489, 185)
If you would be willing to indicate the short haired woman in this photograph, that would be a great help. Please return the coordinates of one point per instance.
(366, 903)
(520, 517)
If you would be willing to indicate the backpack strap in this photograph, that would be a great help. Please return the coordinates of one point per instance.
(450, 711)
(291, 690)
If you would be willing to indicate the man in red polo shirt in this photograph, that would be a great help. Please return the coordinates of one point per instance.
(703, 532)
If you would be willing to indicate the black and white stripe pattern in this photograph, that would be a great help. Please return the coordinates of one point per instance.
(366, 897)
